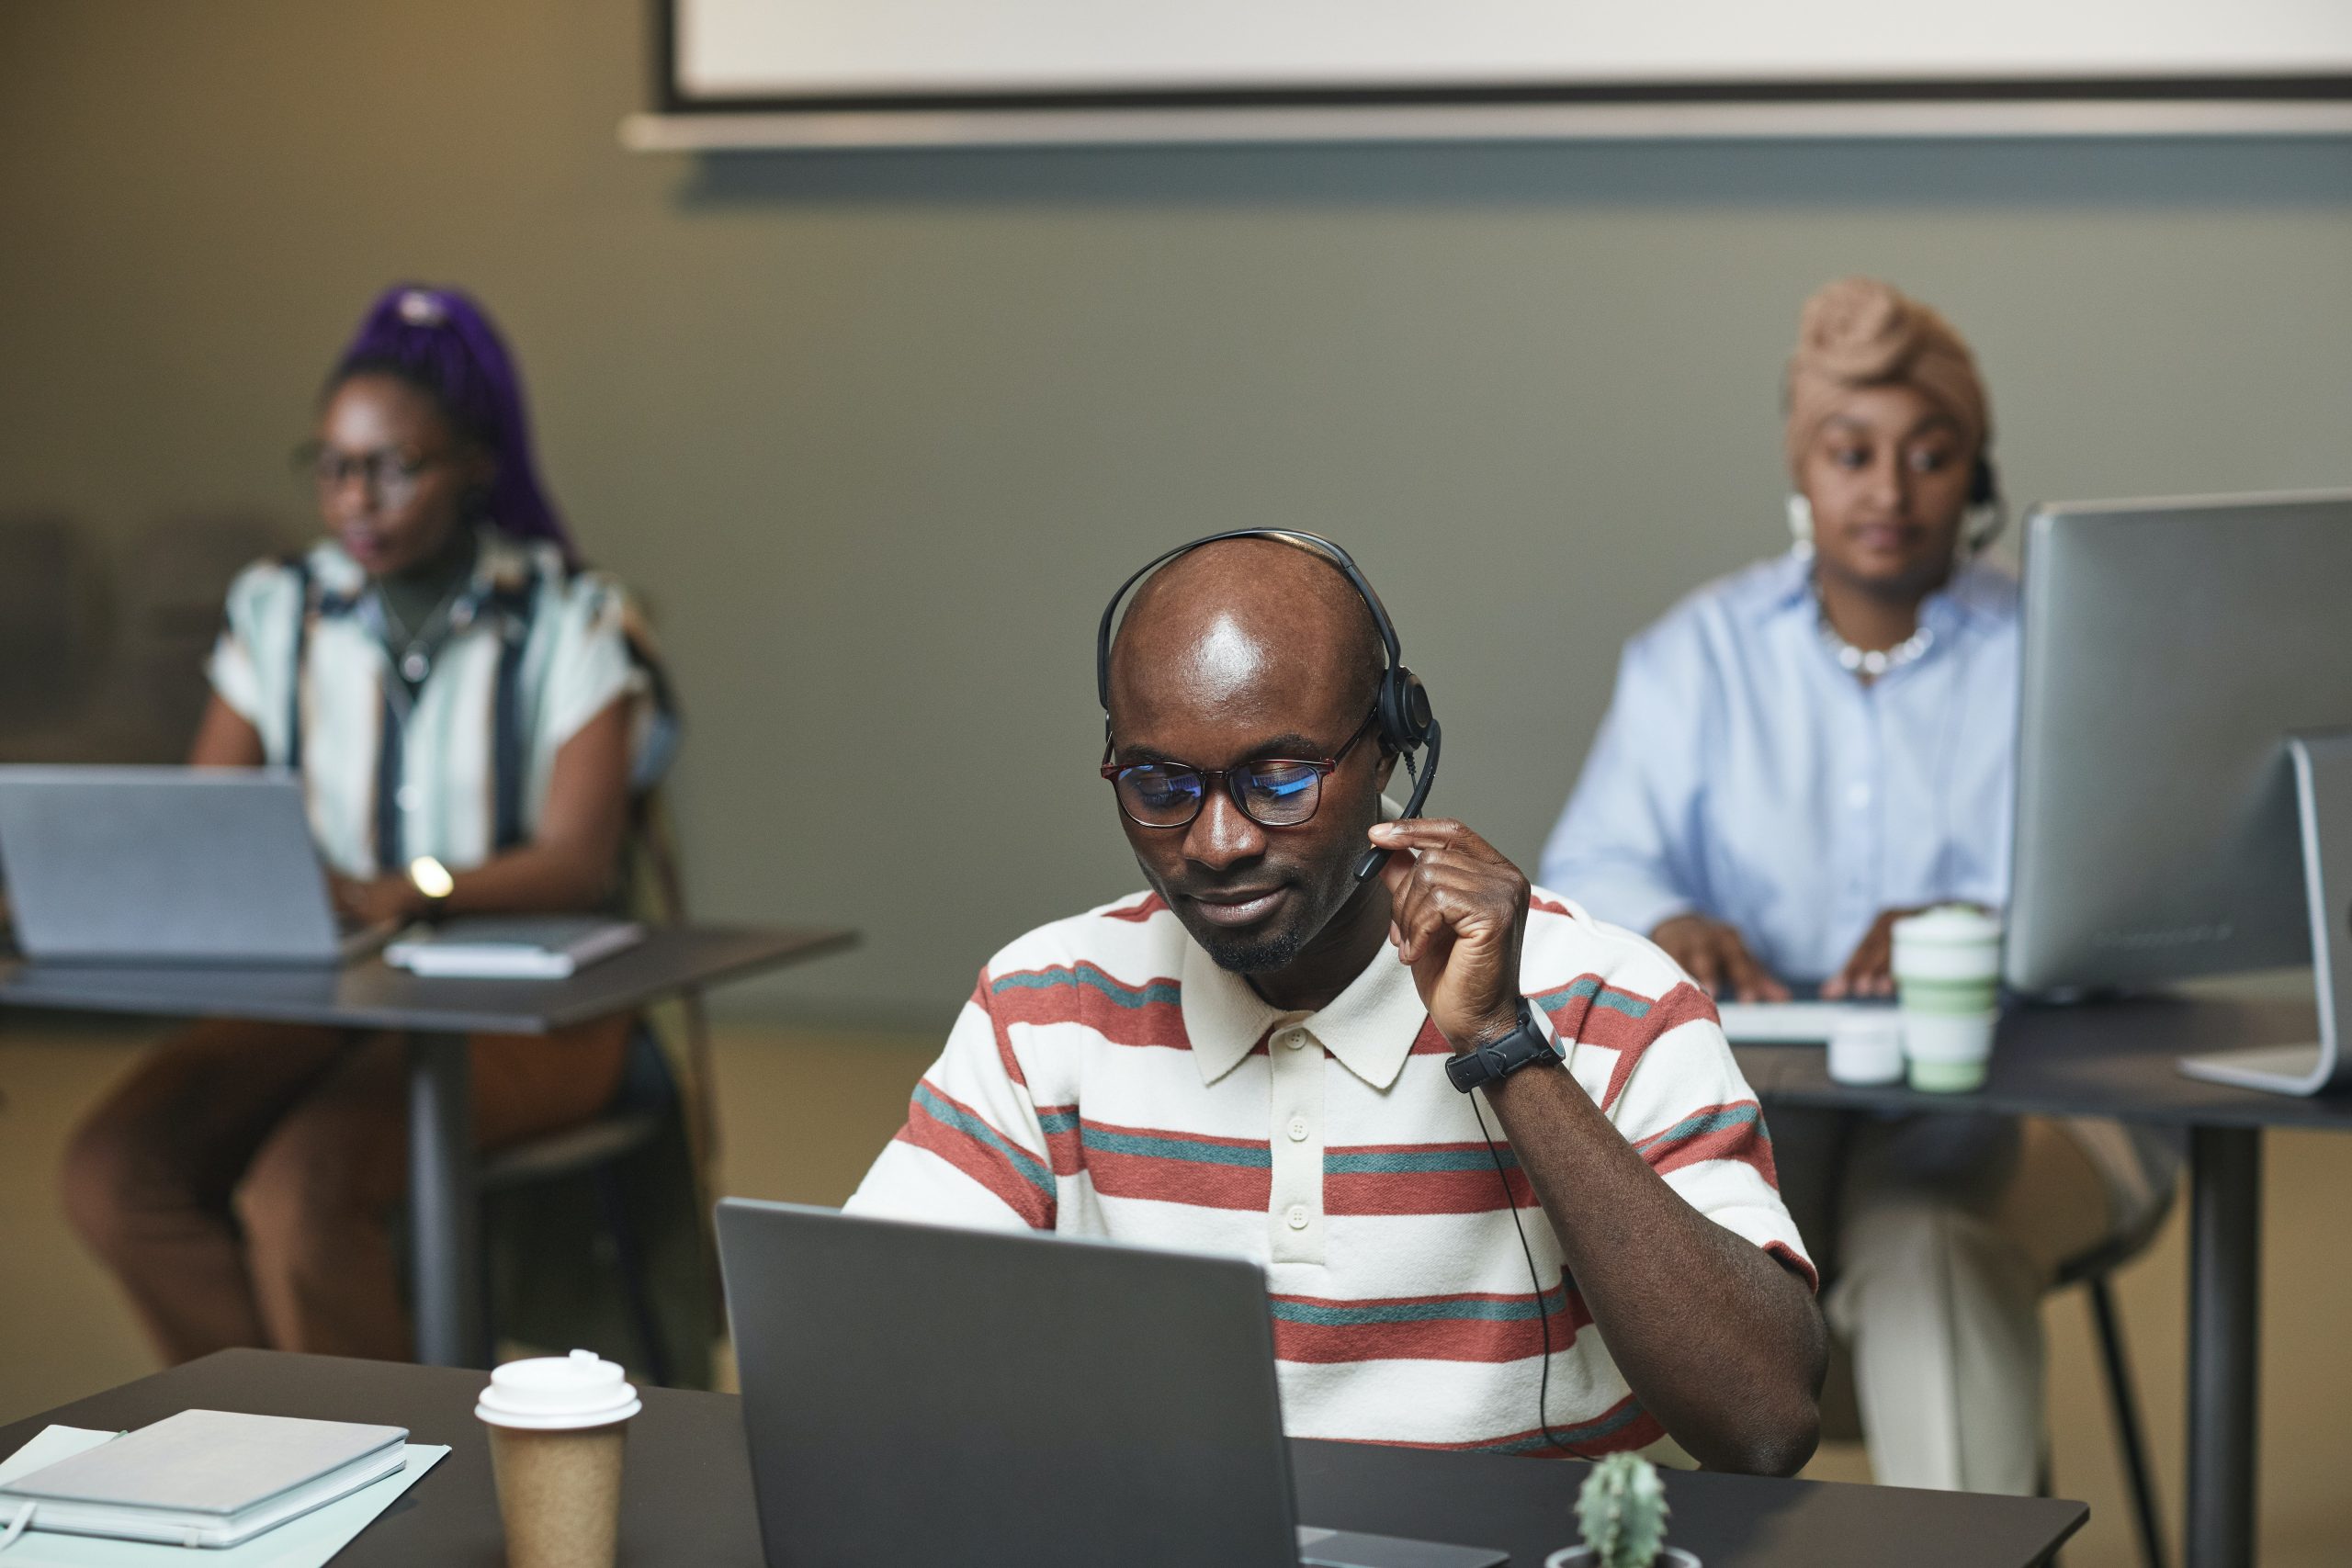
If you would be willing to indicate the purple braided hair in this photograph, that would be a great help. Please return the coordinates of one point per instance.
(442, 343)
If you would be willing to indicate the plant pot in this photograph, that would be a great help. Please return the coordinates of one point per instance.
(1577, 1557)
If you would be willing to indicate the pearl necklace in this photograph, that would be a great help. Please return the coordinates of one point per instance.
(1871, 662)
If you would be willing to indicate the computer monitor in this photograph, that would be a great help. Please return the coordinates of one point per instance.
(2181, 806)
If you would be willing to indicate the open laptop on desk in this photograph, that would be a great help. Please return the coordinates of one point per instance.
(161, 866)
(914, 1394)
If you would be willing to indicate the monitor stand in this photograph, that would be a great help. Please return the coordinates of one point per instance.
(2323, 798)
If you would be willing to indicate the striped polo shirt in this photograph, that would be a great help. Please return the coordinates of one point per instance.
(1107, 1078)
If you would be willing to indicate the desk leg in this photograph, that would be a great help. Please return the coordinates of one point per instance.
(444, 1210)
(2225, 1329)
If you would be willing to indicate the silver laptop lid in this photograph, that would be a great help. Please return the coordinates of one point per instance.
(162, 864)
(919, 1394)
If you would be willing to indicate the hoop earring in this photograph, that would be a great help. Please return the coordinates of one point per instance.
(1800, 526)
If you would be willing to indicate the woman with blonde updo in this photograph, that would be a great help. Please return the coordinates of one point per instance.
(1797, 756)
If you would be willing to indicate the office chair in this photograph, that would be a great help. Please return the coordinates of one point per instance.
(1841, 1416)
(645, 1160)
(599, 1152)
(2093, 1271)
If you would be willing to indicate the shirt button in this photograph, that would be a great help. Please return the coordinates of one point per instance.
(1297, 1217)
(1295, 1039)
(409, 797)
(1298, 1129)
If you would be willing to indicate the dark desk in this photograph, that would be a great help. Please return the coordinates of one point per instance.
(437, 1016)
(2117, 1059)
(686, 1495)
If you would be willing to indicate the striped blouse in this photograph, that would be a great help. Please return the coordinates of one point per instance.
(1107, 1079)
(459, 767)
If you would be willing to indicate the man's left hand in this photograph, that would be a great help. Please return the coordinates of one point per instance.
(1458, 916)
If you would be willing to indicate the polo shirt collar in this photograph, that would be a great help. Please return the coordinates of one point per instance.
(1370, 1027)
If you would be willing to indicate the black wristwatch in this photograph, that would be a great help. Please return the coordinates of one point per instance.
(1522, 1047)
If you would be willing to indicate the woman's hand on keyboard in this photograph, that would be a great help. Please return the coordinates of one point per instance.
(1716, 956)
(1870, 971)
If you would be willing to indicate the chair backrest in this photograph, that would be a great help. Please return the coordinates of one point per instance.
(655, 887)
(174, 579)
(54, 600)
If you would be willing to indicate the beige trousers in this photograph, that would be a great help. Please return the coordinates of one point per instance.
(1937, 1237)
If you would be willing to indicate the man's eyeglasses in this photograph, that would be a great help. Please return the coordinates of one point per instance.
(1273, 792)
(391, 473)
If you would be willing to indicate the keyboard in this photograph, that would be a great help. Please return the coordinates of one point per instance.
(1790, 1023)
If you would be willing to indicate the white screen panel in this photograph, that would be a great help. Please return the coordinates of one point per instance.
(736, 50)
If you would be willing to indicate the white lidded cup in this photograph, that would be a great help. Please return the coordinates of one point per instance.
(558, 1425)
(1867, 1048)
(1948, 977)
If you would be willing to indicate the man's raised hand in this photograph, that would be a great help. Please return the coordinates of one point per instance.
(1458, 916)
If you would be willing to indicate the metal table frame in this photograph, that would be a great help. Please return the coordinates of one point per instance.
(2121, 1060)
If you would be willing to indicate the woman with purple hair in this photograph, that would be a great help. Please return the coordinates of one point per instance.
(471, 714)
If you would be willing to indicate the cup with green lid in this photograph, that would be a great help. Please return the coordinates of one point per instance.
(1947, 980)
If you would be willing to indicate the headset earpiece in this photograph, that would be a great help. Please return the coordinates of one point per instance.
(1405, 715)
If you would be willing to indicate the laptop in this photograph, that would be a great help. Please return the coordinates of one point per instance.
(167, 866)
(914, 1394)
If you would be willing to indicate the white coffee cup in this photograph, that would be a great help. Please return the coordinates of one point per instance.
(558, 1425)
(1946, 975)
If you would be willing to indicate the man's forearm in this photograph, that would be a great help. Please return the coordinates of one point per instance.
(1717, 1340)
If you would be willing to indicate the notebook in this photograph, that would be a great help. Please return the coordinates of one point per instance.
(499, 947)
(208, 1478)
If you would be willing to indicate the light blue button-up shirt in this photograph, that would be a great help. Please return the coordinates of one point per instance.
(1741, 772)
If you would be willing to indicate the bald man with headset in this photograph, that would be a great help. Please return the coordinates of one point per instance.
(1509, 1190)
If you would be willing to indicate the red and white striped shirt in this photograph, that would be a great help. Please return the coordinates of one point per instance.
(1108, 1080)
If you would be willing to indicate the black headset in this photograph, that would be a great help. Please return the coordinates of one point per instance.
(1407, 725)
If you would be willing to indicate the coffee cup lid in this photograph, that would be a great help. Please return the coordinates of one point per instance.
(1949, 923)
(556, 1393)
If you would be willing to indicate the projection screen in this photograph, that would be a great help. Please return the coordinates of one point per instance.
(973, 58)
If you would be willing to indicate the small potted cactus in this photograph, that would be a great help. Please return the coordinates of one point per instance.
(1621, 1511)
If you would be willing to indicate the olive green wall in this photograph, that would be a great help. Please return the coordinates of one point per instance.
(875, 433)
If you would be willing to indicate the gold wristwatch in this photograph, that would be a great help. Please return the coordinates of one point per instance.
(432, 883)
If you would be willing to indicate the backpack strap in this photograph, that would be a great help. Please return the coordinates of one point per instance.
(391, 835)
(301, 567)
(510, 745)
